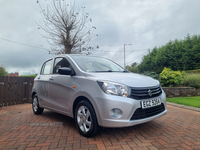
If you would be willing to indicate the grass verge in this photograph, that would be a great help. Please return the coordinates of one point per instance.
(188, 101)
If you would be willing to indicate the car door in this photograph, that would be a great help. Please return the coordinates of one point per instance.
(43, 83)
(60, 87)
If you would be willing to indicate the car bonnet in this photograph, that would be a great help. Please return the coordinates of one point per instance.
(126, 78)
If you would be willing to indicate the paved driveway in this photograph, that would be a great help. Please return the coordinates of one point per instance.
(21, 129)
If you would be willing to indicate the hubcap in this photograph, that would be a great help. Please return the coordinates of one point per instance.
(84, 119)
(35, 104)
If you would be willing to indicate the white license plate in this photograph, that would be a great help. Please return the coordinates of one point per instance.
(151, 103)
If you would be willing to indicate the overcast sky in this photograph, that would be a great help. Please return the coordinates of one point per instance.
(142, 23)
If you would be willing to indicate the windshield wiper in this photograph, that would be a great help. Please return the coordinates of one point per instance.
(105, 71)
(112, 71)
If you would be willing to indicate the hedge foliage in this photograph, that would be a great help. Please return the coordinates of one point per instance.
(31, 75)
(193, 71)
(192, 80)
(178, 55)
(151, 74)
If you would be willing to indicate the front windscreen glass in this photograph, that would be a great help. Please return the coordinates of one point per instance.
(96, 64)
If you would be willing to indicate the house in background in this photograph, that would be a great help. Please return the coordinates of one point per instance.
(16, 74)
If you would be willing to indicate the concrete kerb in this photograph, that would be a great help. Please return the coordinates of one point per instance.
(185, 107)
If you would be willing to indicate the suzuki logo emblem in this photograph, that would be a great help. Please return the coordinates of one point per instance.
(150, 93)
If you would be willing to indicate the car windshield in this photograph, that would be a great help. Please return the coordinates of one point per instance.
(96, 64)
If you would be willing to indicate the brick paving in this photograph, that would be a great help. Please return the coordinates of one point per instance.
(21, 129)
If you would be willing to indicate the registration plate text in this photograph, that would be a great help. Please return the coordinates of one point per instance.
(151, 103)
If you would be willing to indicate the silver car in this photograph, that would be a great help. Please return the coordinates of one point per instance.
(97, 93)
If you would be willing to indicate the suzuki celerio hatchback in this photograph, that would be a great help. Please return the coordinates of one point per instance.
(96, 92)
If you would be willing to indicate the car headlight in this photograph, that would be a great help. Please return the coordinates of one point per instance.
(114, 88)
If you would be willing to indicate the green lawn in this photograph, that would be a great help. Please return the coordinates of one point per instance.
(188, 101)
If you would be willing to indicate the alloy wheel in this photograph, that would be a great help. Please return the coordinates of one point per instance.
(84, 119)
(35, 104)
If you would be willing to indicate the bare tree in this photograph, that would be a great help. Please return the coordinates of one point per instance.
(66, 28)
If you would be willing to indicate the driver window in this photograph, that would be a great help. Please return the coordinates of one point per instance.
(60, 62)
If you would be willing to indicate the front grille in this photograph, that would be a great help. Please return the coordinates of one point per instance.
(144, 93)
(147, 112)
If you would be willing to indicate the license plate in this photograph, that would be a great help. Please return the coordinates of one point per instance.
(151, 103)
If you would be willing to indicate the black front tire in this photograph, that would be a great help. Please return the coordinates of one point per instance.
(35, 106)
(85, 119)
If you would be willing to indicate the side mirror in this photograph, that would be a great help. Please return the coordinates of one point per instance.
(65, 71)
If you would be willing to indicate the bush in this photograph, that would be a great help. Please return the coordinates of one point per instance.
(133, 68)
(151, 74)
(3, 71)
(192, 80)
(170, 78)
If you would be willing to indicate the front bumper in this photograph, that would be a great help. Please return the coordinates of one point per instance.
(126, 123)
(128, 106)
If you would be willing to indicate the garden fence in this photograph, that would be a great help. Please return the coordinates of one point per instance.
(15, 90)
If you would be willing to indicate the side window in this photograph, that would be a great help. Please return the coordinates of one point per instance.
(60, 62)
(46, 68)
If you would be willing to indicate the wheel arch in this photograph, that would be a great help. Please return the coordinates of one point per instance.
(80, 98)
(33, 93)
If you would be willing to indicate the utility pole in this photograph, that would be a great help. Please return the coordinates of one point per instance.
(124, 55)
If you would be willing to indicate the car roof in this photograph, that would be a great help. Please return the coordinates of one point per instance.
(69, 55)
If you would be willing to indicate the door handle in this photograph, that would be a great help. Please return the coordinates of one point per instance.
(39, 77)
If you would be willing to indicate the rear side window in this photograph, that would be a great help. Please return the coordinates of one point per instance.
(46, 68)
